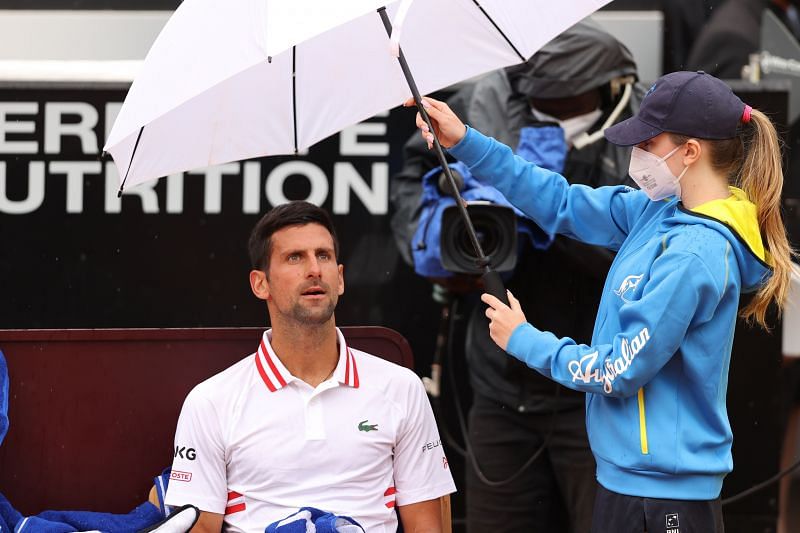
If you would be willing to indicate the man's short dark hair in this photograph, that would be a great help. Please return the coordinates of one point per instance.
(295, 213)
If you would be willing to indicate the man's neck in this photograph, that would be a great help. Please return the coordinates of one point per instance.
(309, 353)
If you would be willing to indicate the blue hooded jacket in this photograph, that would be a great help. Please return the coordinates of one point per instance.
(656, 372)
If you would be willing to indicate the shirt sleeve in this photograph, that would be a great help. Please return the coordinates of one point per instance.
(680, 293)
(198, 474)
(421, 470)
(602, 216)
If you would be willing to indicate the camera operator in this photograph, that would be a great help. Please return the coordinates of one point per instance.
(580, 80)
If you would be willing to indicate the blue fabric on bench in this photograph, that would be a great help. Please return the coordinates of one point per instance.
(143, 516)
(3, 397)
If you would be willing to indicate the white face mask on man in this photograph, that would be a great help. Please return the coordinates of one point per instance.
(653, 176)
(573, 127)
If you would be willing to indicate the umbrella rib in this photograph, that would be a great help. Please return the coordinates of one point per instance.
(502, 34)
(294, 97)
(130, 163)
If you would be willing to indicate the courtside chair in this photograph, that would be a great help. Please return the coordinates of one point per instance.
(92, 412)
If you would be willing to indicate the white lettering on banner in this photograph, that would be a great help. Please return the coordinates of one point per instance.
(350, 145)
(316, 177)
(112, 110)
(144, 191)
(15, 125)
(251, 183)
(175, 193)
(50, 141)
(584, 371)
(346, 177)
(35, 196)
(75, 170)
(55, 128)
(372, 190)
(212, 193)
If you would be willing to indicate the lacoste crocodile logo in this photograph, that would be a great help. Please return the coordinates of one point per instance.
(363, 426)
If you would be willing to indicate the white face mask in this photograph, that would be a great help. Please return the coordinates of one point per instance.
(653, 176)
(573, 127)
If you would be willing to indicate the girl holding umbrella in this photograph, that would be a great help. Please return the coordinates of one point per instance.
(704, 228)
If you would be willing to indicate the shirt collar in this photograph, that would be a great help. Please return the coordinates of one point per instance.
(276, 376)
(346, 371)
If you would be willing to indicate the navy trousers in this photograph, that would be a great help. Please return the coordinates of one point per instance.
(618, 513)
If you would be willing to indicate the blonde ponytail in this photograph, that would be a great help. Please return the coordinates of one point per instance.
(761, 177)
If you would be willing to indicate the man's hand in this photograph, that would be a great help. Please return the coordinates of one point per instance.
(503, 319)
(447, 126)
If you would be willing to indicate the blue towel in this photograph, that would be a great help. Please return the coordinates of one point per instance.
(143, 516)
(9, 517)
(311, 520)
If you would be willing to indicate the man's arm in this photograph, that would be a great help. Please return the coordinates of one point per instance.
(208, 523)
(421, 472)
(198, 474)
(421, 517)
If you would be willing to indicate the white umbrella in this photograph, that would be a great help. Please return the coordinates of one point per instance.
(233, 80)
(217, 86)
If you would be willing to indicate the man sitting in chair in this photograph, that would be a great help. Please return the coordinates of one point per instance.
(306, 420)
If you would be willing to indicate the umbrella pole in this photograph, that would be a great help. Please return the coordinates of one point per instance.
(491, 278)
(130, 162)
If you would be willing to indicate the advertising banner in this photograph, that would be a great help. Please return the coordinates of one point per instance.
(172, 252)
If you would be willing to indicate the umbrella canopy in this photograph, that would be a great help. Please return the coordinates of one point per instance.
(239, 79)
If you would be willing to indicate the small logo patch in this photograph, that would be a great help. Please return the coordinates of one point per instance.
(431, 445)
(628, 285)
(177, 475)
(672, 523)
(363, 426)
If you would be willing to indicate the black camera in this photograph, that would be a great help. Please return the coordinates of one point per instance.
(442, 244)
(496, 229)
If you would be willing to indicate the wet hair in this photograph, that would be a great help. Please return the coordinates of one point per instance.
(752, 162)
(295, 213)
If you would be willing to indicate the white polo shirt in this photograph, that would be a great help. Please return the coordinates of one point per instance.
(255, 443)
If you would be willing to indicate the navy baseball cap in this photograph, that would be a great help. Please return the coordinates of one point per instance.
(694, 104)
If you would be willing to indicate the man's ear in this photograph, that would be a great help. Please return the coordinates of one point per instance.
(259, 284)
(341, 280)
